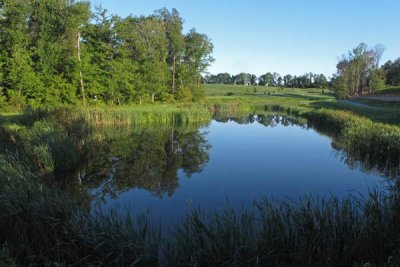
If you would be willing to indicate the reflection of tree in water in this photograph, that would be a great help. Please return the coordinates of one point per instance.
(148, 159)
(272, 120)
(267, 119)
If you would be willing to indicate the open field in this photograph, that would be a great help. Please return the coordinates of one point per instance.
(215, 90)
(301, 99)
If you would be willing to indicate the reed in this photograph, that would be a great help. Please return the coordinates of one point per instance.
(42, 226)
(360, 136)
(171, 115)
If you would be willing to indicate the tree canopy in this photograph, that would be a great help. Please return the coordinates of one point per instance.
(358, 71)
(56, 52)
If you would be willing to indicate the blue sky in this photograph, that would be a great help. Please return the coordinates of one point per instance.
(286, 36)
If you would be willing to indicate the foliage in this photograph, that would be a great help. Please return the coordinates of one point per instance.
(308, 80)
(392, 71)
(358, 72)
(53, 54)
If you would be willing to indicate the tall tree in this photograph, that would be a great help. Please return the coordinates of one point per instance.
(198, 50)
(173, 24)
(357, 72)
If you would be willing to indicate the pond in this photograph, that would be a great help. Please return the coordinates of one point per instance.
(167, 170)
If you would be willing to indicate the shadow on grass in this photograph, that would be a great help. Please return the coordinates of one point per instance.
(304, 97)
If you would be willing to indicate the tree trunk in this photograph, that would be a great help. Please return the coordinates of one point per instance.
(173, 75)
(180, 65)
(80, 69)
(152, 97)
(181, 84)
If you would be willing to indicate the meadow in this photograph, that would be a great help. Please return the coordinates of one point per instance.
(302, 100)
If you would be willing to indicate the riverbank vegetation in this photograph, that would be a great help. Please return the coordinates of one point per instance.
(43, 224)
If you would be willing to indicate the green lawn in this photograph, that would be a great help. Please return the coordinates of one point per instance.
(301, 99)
(213, 90)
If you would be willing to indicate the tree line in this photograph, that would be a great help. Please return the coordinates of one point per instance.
(56, 52)
(308, 80)
(359, 72)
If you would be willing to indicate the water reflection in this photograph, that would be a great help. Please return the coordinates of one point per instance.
(367, 162)
(155, 159)
(147, 158)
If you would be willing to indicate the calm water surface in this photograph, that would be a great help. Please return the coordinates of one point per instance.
(166, 171)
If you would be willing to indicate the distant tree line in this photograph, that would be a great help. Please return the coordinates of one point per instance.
(392, 72)
(359, 72)
(308, 80)
(60, 52)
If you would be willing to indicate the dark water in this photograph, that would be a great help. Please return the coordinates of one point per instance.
(167, 170)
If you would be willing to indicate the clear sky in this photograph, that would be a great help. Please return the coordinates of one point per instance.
(286, 36)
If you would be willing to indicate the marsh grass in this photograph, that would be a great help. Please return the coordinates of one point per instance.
(163, 114)
(377, 143)
(46, 146)
(42, 226)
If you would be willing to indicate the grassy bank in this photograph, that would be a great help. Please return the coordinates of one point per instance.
(300, 99)
(376, 144)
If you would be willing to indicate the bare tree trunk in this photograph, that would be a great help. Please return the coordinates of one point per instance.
(80, 69)
(173, 75)
(152, 97)
(181, 84)
(180, 65)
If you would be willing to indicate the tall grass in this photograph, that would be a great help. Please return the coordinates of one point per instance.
(42, 226)
(171, 115)
(376, 143)
(45, 146)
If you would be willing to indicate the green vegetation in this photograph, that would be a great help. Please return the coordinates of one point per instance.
(130, 115)
(359, 72)
(43, 225)
(59, 52)
(297, 100)
(389, 90)
(66, 71)
(376, 144)
(308, 80)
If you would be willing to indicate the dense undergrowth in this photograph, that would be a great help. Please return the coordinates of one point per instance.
(44, 225)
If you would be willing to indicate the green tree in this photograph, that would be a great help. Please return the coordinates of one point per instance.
(173, 24)
(392, 72)
(356, 70)
(198, 50)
